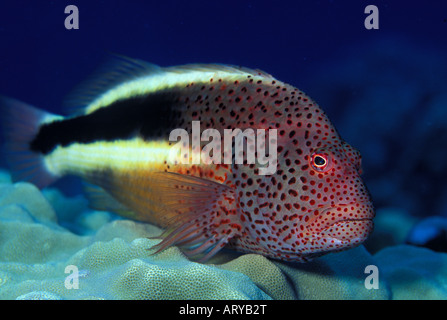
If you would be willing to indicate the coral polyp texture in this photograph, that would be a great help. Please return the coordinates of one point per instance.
(113, 262)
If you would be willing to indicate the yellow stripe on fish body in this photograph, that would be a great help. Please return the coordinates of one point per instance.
(116, 155)
(119, 155)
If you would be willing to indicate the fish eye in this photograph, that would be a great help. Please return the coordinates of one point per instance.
(320, 161)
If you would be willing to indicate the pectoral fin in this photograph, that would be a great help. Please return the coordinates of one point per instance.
(199, 215)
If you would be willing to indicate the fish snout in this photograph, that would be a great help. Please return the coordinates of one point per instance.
(346, 234)
(343, 225)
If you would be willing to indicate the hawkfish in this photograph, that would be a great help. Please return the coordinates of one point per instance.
(118, 141)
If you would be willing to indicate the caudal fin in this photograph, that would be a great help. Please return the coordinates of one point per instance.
(20, 123)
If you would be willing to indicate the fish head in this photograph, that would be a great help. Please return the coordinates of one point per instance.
(338, 208)
(322, 204)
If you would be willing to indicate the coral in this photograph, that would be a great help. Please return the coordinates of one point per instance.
(334, 276)
(39, 295)
(391, 227)
(112, 264)
(5, 177)
(30, 198)
(414, 273)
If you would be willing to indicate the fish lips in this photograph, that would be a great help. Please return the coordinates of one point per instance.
(347, 230)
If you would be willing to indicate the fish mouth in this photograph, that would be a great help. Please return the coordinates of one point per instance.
(339, 236)
(348, 230)
(329, 232)
(354, 224)
(347, 212)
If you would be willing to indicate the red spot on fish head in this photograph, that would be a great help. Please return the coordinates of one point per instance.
(339, 210)
(329, 203)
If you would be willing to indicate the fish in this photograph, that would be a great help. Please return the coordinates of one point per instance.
(117, 139)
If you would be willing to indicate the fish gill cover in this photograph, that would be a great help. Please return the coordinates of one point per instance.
(349, 112)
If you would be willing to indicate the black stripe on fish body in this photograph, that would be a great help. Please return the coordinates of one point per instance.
(148, 116)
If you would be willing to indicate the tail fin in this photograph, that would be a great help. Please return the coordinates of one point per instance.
(21, 123)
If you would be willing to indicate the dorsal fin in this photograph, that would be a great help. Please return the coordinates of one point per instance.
(217, 67)
(115, 70)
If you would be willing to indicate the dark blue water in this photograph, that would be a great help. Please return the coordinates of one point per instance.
(385, 89)
(41, 61)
